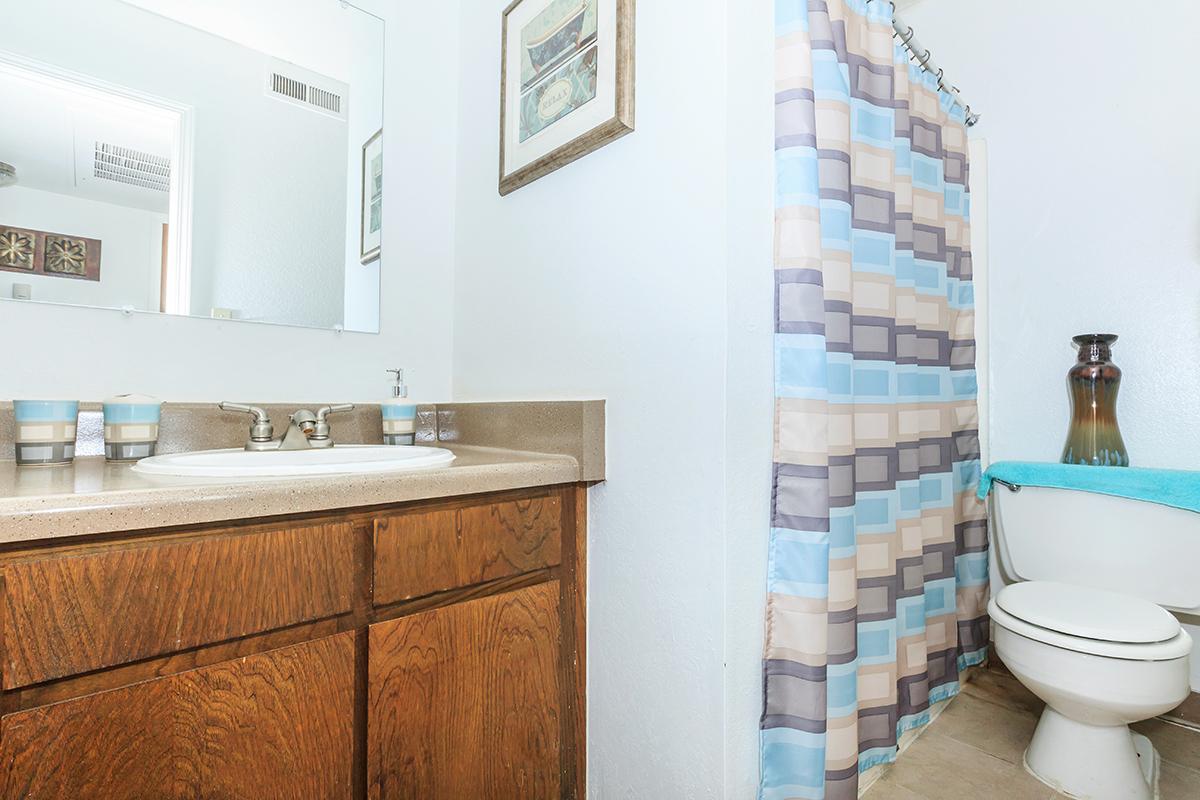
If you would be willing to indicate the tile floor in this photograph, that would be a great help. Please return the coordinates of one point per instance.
(973, 750)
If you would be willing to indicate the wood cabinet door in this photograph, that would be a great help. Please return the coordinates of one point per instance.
(278, 724)
(464, 701)
(422, 552)
(67, 613)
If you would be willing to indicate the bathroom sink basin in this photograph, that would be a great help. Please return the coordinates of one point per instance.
(340, 460)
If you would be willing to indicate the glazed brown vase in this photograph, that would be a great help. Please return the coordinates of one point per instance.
(1093, 383)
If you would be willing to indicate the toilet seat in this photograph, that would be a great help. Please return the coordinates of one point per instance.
(1087, 612)
(1045, 611)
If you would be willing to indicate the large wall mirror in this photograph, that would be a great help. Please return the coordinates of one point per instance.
(213, 158)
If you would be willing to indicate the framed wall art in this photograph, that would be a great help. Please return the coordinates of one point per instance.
(372, 198)
(50, 254)
(566, 83)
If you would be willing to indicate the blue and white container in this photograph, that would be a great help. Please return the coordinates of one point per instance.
(399, 414)
(131, 427)
(399, 422)
(45, 431)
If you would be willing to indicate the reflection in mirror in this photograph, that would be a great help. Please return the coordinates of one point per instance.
(216, 158)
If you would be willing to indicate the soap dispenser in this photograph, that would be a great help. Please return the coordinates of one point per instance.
(399, 414)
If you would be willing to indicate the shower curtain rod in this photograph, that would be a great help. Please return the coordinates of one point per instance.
(924, 59)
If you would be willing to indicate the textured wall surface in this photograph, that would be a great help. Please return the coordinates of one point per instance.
(642, 274)
(1094, 216)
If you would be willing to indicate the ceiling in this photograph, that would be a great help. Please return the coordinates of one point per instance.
(316, 34)
(49, 133)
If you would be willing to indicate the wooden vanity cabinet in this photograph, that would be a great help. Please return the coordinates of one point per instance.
(428, 650)
(275, 724)
(465, 701)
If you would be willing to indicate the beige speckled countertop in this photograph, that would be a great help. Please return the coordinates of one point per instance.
(92, 496)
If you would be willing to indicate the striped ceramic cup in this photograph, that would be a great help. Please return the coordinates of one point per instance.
(399, 421)
(131, 427)
(46, 431)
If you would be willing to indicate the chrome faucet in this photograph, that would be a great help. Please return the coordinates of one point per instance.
(306, 430)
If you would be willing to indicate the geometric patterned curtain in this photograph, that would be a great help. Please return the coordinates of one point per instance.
(878, 549)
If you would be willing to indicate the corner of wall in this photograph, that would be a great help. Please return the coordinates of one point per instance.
(749, 411)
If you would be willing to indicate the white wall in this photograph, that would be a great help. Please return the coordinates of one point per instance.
(642, 274)
(91, 354)
(130, 248)
(750, 378)
(361, 301)
(293, 30)
(1093, 169)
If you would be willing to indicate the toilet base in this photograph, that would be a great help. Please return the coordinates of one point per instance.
(1097, 762)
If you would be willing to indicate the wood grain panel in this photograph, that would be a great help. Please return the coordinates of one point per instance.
(57, 691)
(432, 551)
(70, 613)
(275, 725)
(278, 725)
(574, 644)
(464, 701)
(115, 745)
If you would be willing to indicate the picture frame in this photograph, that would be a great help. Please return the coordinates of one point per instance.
(371, 217)
(48, 254)
(566, 83)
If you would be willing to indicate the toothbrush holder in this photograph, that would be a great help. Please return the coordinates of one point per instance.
(45, 431)
(131, 427)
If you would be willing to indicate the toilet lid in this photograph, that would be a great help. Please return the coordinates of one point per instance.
(1088, 613)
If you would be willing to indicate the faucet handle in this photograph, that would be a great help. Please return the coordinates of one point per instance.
(261, 429)
(324, 412)
(259, 414)
(320, 433)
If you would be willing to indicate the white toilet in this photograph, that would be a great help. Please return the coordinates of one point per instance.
(1083, 624)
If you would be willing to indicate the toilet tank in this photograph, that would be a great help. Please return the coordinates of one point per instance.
(1128, 546)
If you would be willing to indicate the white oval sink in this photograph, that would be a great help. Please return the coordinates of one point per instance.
(339, 460)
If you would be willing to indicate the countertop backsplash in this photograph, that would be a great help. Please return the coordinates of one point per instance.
(569, 427)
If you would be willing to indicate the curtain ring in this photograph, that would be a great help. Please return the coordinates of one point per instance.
(906, 38)
(940, 73)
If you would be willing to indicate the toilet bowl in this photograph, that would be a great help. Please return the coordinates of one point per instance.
(1083, 623)
(1132, 664)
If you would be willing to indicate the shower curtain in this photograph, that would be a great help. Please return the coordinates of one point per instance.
(877, 585)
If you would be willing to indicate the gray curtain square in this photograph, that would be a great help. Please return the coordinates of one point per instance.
(842, 641)
(802, 496)
(841, 481)
(794, 696)
(908, 462)
(834, 179)
(871, 82)
(929, 243)
(801, 302)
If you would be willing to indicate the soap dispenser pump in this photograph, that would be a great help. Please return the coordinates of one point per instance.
(399, 414)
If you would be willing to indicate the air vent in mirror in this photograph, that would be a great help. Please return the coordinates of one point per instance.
(132, 167)
(301, 87)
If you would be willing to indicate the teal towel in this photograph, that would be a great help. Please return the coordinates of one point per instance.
(1168, 487)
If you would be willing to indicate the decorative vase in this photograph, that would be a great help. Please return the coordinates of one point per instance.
(1093, 383)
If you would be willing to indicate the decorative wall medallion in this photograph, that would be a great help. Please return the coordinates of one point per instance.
(53, 255)
(66, 256)
(17, 249)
